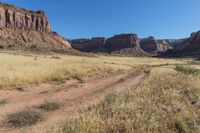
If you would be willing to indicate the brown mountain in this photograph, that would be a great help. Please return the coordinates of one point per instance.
(28, 30)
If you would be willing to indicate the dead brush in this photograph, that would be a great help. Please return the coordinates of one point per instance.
(50, 106)
(3, 101)
(24, 118)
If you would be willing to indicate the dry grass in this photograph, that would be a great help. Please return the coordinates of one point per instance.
(165, 102)
(50, 106)
(23, 69)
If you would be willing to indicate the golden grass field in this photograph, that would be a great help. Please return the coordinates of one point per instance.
(20, 69)
(167, 101)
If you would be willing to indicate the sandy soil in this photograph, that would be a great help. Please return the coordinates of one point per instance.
(73, 96)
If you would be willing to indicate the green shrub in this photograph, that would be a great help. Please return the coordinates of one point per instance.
(186, 70)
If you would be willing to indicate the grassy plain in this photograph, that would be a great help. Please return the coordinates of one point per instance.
(22, 69)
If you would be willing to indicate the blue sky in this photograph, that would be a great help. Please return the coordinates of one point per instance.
(91, 18)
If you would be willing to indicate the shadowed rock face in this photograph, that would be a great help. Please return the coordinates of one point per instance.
(195, 40)
(14, 17)
(89, 45)
(189, 47)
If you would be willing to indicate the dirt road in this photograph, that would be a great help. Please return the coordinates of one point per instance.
(73, 96)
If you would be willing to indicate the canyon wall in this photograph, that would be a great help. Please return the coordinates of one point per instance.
(153, 46)
(126, 44)
(19, 18)
(195, 40)
(27, 30)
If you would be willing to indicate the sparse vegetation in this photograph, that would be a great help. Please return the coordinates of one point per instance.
(2, 47)
(3, 101)
(78, 76)
(21, 87)
(58, 77)
(194, 62)
(147, 71)
(165, 102)
(44, 92)
(186, 70)
(55, 57)
(34, 47)
(50, 106)
(24, 118)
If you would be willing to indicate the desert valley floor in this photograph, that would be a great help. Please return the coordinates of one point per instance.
(77, 92)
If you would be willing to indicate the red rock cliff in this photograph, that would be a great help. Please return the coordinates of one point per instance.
(19, 18)
(195, 40)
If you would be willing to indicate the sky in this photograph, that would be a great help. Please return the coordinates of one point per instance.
(104, 18)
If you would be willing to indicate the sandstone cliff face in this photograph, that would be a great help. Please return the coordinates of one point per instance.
(151, 45)
(195, 40)
(118, 44)
(122, 41)
(31, 40)
(21, 29)
(14, 17)
(186, 47)
(89, 45)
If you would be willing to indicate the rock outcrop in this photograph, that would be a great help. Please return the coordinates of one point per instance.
(89, 45)
(14, 17)
(28, 40)
(125, 44)
(21, 29)
(153, 46)
(195, 40)
(186, 47)
(122, 41)
(118, 44)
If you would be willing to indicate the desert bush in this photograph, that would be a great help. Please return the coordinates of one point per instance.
(78, 76)
(194, 62)
(163, 103)
(147, 71)
(34, 47)
(44, 92)
(58, 77)
(55, 57)
(2, 47)
(3, 101)
(50, 106)
(24, 118)
(186, 69)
